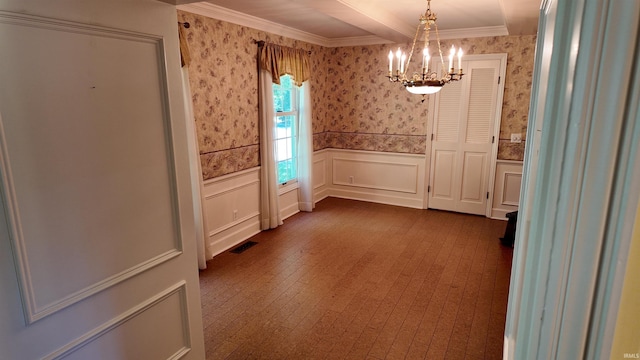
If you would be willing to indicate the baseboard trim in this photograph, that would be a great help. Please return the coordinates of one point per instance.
(320, 195)
(501, 214)
(223, 241)
(376, 198)
(289, 211)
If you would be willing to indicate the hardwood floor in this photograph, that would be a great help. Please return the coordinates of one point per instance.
(356, 280)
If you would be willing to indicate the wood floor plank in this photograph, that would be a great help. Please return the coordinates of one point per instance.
(356, 280)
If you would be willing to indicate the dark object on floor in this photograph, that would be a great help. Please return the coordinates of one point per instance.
(510, 232)
(242, 247)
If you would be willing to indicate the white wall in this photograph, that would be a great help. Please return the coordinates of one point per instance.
(232, 208)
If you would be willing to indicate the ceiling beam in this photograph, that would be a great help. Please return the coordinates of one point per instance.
(366, 17)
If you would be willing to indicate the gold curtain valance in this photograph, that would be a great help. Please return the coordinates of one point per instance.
(281, 60)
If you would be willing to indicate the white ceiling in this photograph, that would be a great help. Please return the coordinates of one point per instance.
(359, 22)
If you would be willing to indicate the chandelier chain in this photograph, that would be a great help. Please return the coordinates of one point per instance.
(439, 48)
(413, 45)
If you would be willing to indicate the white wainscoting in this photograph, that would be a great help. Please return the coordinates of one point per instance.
(387, 178)
(506, 194)
(321, 174)
(232, 208)
(231, 202)
(289, 201)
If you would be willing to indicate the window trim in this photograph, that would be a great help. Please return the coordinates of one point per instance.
(295, 113)
(288, 186)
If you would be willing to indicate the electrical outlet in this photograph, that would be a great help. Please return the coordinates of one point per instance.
(235, 214)
(516, 137)
(350, 179)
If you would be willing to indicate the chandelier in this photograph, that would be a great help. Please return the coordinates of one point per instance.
(424, 81)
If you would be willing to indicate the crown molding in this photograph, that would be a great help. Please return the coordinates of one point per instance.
(224, 14)
(238, 18)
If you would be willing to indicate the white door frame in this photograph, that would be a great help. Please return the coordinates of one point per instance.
(496, 129)
(581, 182)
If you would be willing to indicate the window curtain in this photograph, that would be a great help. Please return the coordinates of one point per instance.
(305, 151)
(269, 201)
(273, 62)
(203, 253)
(280, 60)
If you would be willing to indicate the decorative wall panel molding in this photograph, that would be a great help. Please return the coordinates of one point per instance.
(506, 194)
(375, 174)
(169, 339)
(289, 203)
(388, 178)
(93, 166)
(511, 188)
(230, 190)
(232, 209)
(321, 174)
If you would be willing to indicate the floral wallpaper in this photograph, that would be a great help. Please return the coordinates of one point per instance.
(369, 107)
(365, 111)
(354, 106)
(224, 87)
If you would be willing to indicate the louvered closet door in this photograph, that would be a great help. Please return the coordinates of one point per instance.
(464, 123)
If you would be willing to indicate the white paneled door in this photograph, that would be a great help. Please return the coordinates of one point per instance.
(466, 120)
(97, 250)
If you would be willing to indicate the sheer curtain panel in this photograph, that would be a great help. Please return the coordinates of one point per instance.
(269, 202)
(305, 151)
(273, 62)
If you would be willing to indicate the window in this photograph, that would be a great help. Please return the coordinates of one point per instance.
(285, 103)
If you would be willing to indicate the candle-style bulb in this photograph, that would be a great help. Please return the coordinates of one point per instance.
(451, 53)
(426, 59)
(424, 56)
(390, 61)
